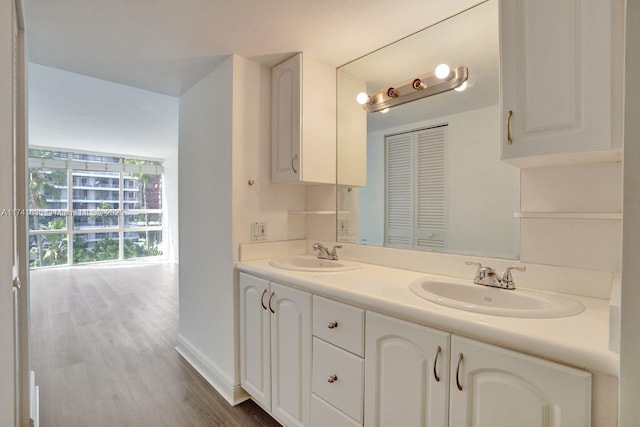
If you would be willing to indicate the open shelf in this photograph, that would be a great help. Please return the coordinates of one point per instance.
(569, 215)
(317, 212)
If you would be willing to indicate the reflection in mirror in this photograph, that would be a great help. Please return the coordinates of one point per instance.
(427, 175)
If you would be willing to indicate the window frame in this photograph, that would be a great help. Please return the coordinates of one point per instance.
(124, 169)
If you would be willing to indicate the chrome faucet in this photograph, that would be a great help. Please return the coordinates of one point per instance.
(487, 276)
(324, 253)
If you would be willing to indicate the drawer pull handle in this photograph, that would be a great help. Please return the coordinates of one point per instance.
(460, 357)
(262, 300)
(435, 364)
(270, 298)
(333, 378)
(293, 165)
(509, 139)
(332, 325)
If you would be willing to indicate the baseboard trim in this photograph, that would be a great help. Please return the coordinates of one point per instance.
(34, 405)
(232, 393)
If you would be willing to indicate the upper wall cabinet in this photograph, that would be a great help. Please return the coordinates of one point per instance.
(303, 121)
(561, 71)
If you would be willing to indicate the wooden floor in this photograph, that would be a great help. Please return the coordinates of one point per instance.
(103, 341)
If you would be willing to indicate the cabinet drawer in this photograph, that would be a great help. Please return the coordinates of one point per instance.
(338, 378)
(323, 415)
(339, 324)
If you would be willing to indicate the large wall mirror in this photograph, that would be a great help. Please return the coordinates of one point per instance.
(427, 175)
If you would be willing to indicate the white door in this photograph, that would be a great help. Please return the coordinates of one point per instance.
(291, 332)
(255, 345)
(406, 374)
(286, 120)
(11, 146)
(556, 73)
(494, 387)
(26, 405)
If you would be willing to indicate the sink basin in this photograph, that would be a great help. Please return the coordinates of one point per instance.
(311, 263)
(499, 302)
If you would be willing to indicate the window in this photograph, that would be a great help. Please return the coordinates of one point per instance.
(80, 213)
(415, 189)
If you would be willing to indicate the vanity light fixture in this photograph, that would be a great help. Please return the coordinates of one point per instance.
(443, 79)
(462, 87)
(443, 71)
(362, 98)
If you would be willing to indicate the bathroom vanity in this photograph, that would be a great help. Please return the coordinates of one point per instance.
(364, 346)
(358, 347)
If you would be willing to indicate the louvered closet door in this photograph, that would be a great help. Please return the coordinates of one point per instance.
(415, 189)
(430, 188)
(399, 176)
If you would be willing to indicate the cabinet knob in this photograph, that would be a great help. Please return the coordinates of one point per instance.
(333, 378)
(332, 325)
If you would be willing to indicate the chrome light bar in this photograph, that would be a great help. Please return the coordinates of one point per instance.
(413, 89)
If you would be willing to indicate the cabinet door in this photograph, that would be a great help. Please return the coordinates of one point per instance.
(502, 388)
(406, 374)
(286, 94)
(556, 75)
(255, 348)
(290, 355)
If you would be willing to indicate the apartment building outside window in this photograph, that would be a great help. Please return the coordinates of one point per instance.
(92, 207)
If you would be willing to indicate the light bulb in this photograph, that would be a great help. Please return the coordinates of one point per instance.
(362, 98)
(443, 71)
(384, 111)
(462, 87)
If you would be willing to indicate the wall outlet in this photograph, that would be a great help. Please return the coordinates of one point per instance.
(343, 226)
(258, 231)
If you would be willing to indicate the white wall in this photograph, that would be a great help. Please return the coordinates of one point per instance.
(349, 213)
(352, 131)
(76, 112)
(321, 227)
(206, 236)
(224, 143)
(171, 209)
(6, 222)
(370, 229)
(483, 193)
(581, 243)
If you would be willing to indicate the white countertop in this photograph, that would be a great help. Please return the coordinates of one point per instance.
(581, 340)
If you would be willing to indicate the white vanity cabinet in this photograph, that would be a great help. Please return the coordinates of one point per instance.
(255, 339)
(312, 361)
(303, 121)
(407, 373)
(275, 348)
(479, 384)
(560, 77)
(494, 387)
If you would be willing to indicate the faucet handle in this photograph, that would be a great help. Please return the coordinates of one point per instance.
(334, 253)
(477, 264)
(507, 277)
